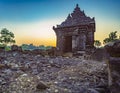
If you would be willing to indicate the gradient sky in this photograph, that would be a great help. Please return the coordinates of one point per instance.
(32, 20)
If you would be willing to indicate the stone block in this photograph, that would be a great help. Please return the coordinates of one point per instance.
(114, 74)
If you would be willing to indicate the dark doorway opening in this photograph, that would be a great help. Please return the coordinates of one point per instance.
(68, 44)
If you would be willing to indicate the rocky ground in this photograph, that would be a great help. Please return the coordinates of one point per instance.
(31, 73)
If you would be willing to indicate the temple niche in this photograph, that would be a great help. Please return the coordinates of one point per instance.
(76, 33)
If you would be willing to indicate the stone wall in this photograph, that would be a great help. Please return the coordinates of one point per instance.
(99, 54)
(113, 49)
(114, 74)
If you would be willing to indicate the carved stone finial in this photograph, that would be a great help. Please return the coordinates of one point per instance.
(77, 5)
(77, 8)
(77, 17)
(69, 16)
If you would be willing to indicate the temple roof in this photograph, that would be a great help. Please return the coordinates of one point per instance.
(78, 17)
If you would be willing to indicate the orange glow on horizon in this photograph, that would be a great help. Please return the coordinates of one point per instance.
(36, 41)
(41, 32)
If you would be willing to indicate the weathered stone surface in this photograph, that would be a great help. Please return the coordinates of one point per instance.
(16, 48)
(76, 33)
(78, 17)
(99, 54)
(41, 86)
(113, 48)
(2, 66)
(114, 75)
(113, 61)
(59, 74)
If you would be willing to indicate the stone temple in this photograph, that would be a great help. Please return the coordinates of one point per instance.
(76, 33)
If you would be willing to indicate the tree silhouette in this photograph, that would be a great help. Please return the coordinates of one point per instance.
(97, 43)
(6, 37)
(112, 37)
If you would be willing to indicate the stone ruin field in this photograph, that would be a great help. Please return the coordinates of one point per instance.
(32, 73)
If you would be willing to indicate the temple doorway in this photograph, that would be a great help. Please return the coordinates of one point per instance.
(68, 44)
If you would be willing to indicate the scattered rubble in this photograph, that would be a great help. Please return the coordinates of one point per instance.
(33, 73)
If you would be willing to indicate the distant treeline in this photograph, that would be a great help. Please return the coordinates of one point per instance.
(32, 47)
(29, 47)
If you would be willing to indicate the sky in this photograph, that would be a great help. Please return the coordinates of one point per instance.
(32, 20)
